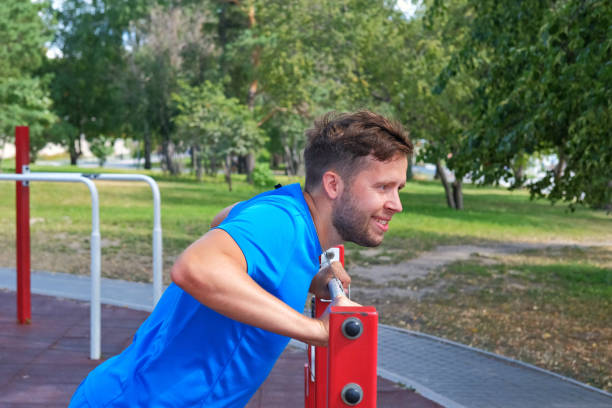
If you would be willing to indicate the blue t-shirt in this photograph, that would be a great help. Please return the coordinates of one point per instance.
(187, 355)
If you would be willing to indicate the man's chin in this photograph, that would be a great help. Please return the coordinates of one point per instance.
(368, 242)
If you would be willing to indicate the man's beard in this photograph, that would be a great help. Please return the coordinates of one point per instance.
(352, 223)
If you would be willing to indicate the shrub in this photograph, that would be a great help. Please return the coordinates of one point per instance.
(262, 175)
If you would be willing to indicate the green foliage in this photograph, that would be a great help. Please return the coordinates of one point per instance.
(170, 42)
(24, 98)
(222, 125)
(101, 147)
(86, 83)
(262, 176)
(482, 85)
(543, 71)
(219, 126)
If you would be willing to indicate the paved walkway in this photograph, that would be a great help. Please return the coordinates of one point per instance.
(448, 373)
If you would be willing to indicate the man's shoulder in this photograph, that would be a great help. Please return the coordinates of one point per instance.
(286, 201)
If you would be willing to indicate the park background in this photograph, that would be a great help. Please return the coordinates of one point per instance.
(211, 98)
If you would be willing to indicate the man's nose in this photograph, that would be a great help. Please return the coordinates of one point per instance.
(394, 203)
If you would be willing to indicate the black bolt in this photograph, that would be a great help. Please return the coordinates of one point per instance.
(352, 394)
(352, 328)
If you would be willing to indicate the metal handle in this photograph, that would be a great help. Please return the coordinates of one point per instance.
(335, 288)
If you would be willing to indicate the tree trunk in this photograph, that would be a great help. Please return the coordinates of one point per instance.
(2, 154)
(519, 174)
(450, 199)
(147, 147)
(192, 158)
(228, 171)
(74, 151)
(289, 162)
(168, 153)
(409, 174)
(277, 159)
(250, 166)
(250, 157)
(197, 161)
(212, 163)
(560, 166)
(458, 193)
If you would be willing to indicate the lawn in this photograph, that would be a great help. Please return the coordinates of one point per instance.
(61, 221)
(551, 307)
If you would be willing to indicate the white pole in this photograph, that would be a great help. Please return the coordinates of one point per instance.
(95, 348)
(157, 228)
(95, 309)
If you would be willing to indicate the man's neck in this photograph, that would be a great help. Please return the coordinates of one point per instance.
(321, 216)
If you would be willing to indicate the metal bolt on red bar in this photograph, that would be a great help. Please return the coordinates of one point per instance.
(344, 373)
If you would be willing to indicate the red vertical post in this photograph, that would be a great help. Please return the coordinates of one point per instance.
(345, 371)
(22, 163)
(352, 358)
(316, 385)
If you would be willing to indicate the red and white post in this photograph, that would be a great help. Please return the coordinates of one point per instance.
(22, 165)
(344, 373)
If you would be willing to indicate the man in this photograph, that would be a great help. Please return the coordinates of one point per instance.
(239, 291)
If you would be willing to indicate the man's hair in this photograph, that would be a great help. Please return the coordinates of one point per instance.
(339, 141)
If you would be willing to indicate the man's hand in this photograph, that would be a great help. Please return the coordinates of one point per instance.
(318, 286)
(323, 320)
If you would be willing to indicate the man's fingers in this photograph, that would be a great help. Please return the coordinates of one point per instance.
(340, 273)
(344, 301)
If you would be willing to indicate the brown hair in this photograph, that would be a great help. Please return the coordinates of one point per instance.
(339, 140)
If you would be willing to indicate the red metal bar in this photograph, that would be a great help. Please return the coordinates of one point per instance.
(352, 357)
(315, 391)
(344, 372)
(321, 353)
(22, 160)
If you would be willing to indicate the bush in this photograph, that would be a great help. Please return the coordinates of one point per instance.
(262, 175)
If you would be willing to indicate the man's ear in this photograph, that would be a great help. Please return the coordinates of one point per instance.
(332, 184)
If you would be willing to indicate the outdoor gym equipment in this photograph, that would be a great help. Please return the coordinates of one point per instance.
(344, 373)
(23, 177)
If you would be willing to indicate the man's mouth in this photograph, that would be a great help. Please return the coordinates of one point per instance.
(383, 223)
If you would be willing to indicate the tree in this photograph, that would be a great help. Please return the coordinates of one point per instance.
(167, 44)
(24, 97)
(85, 90)
(442, 115)
(545, 87)
(304, 69)
(399, 60)
(218, 127)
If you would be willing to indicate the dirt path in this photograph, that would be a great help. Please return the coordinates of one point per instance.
(396, 280)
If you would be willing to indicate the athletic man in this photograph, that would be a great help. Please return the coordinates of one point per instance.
(239, 291)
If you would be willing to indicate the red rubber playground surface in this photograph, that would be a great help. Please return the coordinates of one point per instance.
(42, 363)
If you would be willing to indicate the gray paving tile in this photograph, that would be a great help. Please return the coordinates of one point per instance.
(472, 378)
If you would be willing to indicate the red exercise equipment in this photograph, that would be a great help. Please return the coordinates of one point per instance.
(344, 373)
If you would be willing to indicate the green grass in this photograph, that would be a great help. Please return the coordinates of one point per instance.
(550, 307)
(61, 214)
(497, 215)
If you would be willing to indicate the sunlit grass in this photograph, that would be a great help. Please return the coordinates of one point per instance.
(61, 218)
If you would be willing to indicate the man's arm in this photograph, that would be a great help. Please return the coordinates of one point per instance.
(213, 270)
(218, 219)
